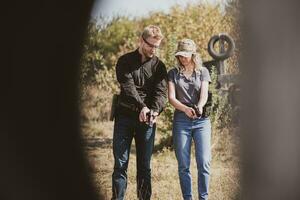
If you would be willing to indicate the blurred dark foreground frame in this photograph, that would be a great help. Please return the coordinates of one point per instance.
(40, 146)
(41, 151)
(270, 102)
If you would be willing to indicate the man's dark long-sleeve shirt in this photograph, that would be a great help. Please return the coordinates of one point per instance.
(142, 83)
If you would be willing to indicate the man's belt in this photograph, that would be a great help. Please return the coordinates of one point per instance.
(131, 107)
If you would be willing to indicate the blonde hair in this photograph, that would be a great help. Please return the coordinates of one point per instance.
(152, 31)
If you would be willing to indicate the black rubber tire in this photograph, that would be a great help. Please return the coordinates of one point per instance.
(224, 55)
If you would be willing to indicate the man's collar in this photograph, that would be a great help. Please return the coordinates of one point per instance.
(140, 56)
(137, 53)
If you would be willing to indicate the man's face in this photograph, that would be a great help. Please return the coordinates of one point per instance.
(150, 46)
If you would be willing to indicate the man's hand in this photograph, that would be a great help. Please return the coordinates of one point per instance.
(151, 117)
(143, 114)
(155, 114)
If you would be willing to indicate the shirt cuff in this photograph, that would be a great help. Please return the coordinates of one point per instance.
(141, 106)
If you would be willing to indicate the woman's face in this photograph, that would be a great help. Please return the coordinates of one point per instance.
(185, 61)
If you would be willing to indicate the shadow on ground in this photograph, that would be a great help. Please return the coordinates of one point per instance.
(92, 143)
(103, 143)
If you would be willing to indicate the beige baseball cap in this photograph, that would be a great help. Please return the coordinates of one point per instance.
(186, 48)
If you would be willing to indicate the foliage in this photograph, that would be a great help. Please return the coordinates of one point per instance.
(221, 114)
(105, 43)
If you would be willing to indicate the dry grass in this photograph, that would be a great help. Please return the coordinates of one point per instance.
(165, 182)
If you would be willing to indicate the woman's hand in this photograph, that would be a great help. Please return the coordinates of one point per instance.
(190, 112)
(200, 108)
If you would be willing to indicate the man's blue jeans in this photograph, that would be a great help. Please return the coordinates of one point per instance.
(184, 131)
(125, 129)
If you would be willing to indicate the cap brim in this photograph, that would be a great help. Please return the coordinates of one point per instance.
(184, 54)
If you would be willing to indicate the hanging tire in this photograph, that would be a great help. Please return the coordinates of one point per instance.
(222, 55)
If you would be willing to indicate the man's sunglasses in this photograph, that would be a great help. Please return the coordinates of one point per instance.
(149, 44)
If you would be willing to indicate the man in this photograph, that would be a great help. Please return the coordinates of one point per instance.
(143, 81)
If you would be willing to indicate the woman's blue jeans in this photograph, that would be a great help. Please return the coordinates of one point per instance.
(125, 129)
(185, 130)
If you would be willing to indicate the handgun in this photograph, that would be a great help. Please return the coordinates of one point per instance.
(196, 108)
(150, 118)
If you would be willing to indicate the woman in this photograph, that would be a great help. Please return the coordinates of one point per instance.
(188, 93)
